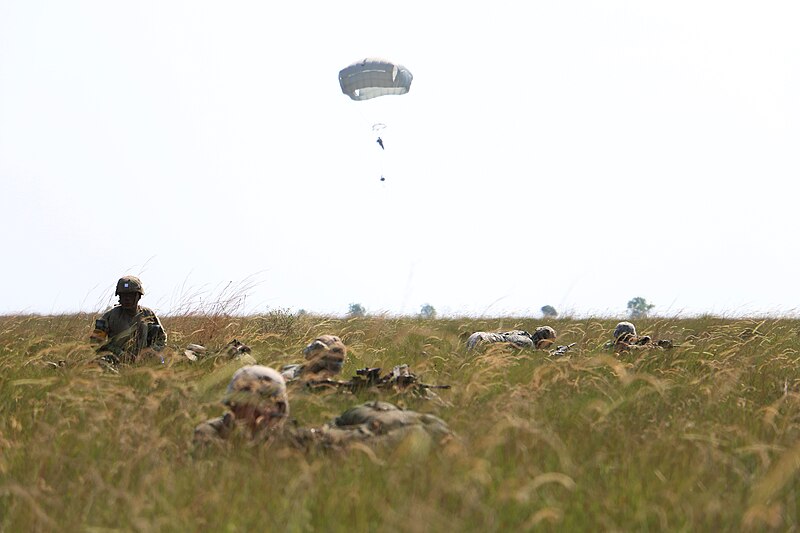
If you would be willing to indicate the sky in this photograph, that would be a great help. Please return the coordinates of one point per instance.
(574, 154)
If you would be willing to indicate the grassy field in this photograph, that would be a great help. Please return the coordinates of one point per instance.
(705, 436)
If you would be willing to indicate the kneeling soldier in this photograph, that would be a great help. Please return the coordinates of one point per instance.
(128, 328)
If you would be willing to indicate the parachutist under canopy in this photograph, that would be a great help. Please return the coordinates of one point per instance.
(380, 141)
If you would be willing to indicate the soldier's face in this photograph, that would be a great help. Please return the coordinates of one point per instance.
(326, 361)
(329, 364)
(270, 414)
(544, 344)
(129, 300)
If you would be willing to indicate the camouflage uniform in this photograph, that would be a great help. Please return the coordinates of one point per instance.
(399, 380)
(125, 332)
(325, 355)
(625, 338)
(384, 424)
(258, 394)
(378, 424)
(213, 429)
(234, 350)
(541, 338)
(624, 330)
(373, 423)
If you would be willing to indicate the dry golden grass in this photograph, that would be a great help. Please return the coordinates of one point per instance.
(701, 437)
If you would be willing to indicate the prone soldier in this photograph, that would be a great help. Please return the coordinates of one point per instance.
(325, 358)
(258, 407)
(625, 338)
(399, 380)
(542, 338)
(257, 402)
(376, 423)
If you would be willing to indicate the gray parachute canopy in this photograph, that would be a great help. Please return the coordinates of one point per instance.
(372, 77)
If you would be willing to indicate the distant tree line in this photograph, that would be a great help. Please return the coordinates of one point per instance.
(638, 307)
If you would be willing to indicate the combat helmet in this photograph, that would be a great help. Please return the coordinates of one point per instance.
(127, 284)
(624, 330)
(256, 384)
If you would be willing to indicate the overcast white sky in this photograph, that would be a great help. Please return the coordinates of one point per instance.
(573, 153)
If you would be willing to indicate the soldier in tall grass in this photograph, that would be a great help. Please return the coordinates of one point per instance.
(125, 331)
(233, 351)
(541, 339)
(258, 407)
(325, 357)
(257, 404)
(625, 338)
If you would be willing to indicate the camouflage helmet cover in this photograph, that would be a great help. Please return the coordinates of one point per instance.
(326, 353)
(544, 333)
(624, 329)
(127, 284)
(254, 384)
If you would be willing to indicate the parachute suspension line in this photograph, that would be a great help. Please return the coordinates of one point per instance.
(369, 122)
(377, 129)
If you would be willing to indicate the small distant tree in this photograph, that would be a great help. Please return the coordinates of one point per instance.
(427, 311)
(302, 312)
(356, 310)
(548, 311)
(639, 308)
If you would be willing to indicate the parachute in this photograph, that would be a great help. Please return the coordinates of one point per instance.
(371, 78)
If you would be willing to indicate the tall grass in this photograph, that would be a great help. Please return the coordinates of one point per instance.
(705, 436)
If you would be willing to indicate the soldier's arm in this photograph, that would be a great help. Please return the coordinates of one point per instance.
(161, 337)
(101, 330)
(156, 334)
(213, 431)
